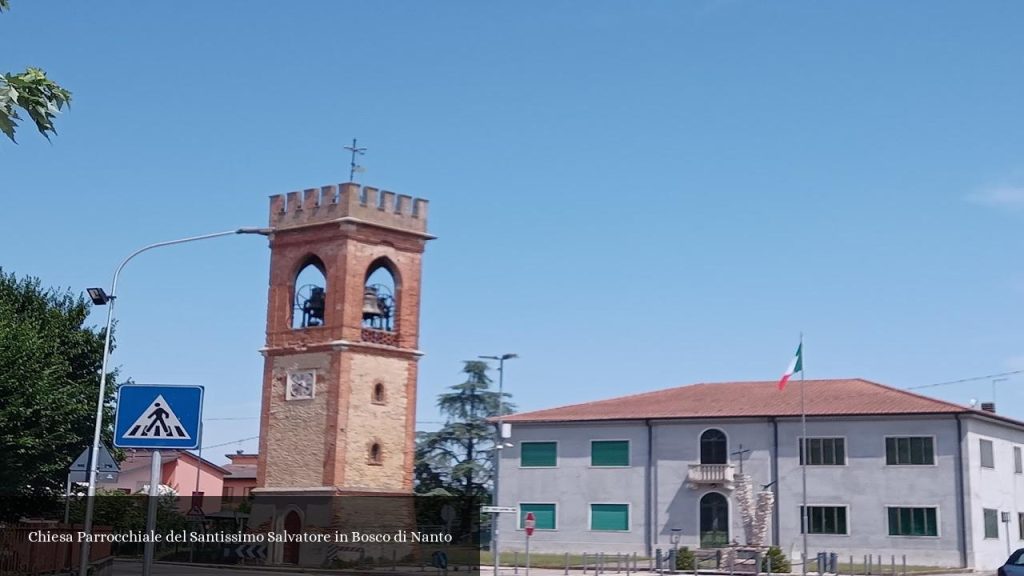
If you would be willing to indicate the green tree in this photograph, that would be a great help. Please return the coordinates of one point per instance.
(32, 92)
(457, 459)
(49, 376)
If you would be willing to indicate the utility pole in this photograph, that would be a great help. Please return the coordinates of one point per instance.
(499, 442)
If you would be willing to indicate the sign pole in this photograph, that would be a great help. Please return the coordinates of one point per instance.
(495, 518)
(154, 493)
(67, 500)
(527, 555)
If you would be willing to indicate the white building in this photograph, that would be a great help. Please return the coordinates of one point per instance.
(889, 472)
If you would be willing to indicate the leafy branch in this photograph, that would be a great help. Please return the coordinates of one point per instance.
(41, 98)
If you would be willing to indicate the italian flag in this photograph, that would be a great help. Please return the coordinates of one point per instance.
(795, 365)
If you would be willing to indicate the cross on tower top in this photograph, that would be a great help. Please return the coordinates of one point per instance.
(353, 167)
(741, 453)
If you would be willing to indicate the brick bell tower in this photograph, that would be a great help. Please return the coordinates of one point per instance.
(339, 377)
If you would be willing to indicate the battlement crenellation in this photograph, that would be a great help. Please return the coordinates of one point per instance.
(348, 200)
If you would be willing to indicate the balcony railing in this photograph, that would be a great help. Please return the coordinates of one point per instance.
(376, 336)
(705, 474)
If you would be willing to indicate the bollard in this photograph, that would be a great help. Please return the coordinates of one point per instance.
(904, 565)
(600, 564)
(868, 564)
(515, 562)
(892, 561)
(627, 566)
(659, 563)
(757, 562)
(618, 563)
(584, 562)
(566, 564)
(634, 561)
(851, 564)
(769, 566)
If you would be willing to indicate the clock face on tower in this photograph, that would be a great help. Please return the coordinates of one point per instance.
(301, 385)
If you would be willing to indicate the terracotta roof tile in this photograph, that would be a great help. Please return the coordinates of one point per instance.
(838, 397)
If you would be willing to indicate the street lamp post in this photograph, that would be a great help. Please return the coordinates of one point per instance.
(498, 442)
(99, 297)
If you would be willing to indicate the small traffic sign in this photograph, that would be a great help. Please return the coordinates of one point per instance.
(106, 467)
(496, 509)
(530, 523)
(158, 416)
(252, 551)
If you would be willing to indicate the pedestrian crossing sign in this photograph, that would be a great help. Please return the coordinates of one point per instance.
(158, 416)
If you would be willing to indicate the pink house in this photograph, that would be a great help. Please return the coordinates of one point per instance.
(180, 471)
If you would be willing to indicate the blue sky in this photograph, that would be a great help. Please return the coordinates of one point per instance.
(631, 196)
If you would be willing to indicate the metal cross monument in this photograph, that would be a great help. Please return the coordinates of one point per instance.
(741, 453)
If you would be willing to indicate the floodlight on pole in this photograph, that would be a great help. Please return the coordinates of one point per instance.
(100, 297)
(499, 444)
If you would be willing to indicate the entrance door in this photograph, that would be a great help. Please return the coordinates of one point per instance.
(292, 525)
(714, 521)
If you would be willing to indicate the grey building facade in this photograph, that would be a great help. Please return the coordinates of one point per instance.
(888, 473)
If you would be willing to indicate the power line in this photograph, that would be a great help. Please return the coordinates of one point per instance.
(231, 442)
(962, 380)
(234, 418)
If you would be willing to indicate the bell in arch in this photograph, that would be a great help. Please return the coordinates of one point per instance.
(371, 304)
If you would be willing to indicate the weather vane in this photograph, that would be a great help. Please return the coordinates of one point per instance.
(353, 167)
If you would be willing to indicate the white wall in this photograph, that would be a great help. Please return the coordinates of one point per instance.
(1001, 489)
(573, 485)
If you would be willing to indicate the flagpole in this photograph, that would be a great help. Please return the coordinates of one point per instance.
(803, 458)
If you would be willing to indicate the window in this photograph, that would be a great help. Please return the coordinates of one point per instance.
(824, 451)
(378, 393)
(380, 295)
(1018, 468)
(374, 457)
(609, 517)
(310, 294)
(543, 515)
(991, 523)
(988, 459)
(910, 450)
(538, 454)
(913, 521)
(713, 447)
(1020, 525)
(824, 519)
(228, 492)
(609, 453)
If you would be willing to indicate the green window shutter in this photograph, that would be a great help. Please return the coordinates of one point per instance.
(538, 454)
(609, 453)
(913, 522)
(543, 515)
(609, 517)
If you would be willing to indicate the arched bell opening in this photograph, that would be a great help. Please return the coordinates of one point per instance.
(380, 296)
(310, 294)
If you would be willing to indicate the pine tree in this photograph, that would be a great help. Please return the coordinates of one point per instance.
(458, 458)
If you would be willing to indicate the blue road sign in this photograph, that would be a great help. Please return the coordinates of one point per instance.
(158, 416)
